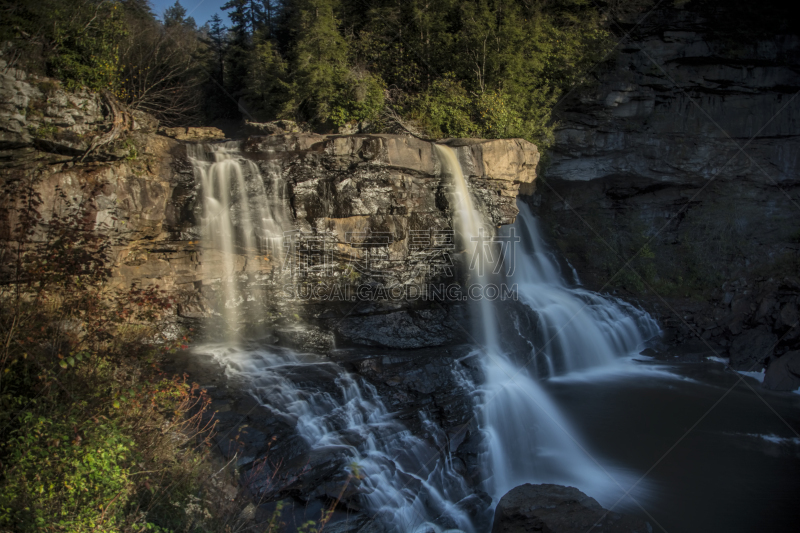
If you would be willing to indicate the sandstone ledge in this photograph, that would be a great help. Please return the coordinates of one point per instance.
(512, 160)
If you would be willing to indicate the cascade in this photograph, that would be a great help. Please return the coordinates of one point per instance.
(576, 328)
(529, 440)
(406, 482)
(242, 219)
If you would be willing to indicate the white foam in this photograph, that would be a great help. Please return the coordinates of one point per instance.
(633, 366)
(775, 439)
(758, 376)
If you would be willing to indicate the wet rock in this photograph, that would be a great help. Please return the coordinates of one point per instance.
(788, 316)
(693, 350)
(354, 523)
(433, 381)
(305, 338)
(478, 507)
(401, 329)
(246, 445)
(783, 373)
(559, 509)
(470, 451)
(294, 513)
(749, 350)
(301, 476)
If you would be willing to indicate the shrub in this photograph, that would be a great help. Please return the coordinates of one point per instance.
(95, 437)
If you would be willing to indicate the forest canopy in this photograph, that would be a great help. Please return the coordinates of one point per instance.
(443, 68)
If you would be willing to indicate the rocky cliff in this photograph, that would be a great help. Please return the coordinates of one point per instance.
(675, 179)
(379, 198)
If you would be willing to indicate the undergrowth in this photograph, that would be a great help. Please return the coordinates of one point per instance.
(95, 437)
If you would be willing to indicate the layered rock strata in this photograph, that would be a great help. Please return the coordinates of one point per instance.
(681, 161)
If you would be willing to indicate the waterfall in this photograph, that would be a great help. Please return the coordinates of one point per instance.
(407, 482)
(576, 328)
(528, 439)
(242, 220)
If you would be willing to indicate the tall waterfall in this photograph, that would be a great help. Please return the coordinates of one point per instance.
(242, 219)
(529, 440)
(406, 482)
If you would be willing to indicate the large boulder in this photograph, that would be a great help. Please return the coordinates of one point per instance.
(751, 348)
(558, 509)
(783, 373)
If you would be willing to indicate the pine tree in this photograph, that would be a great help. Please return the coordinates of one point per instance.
(217, 42)
(248, 16)
(176, 16)
(319, 58)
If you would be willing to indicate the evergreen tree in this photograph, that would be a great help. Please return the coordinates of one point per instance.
(216, 38)
(269, 11)
(247, 16)
(176, 16)
(268, 90)
(320, 58)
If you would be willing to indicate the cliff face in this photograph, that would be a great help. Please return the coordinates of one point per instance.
(683, 158)
(376, 198)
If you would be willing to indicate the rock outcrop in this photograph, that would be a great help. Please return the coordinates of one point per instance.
(424, 389)
(675, 177)
(559, 509)
(377, 198)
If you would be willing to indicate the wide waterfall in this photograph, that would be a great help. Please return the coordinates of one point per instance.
(405, 481)
(529, 440)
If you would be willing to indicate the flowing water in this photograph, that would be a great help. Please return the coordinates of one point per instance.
(409, 482)
(242, 221)
(405, 481)
(576, 328)
(529, 440)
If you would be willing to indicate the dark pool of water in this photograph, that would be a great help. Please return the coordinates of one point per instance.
(719, 462)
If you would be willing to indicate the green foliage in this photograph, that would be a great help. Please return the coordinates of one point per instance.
(175, 15)
(445, 110)
(86, 38)
(113, 45)
(319, 59)
(94, 437)
(64, 471)
(358, 98)
(267, 87)
(476, 68)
